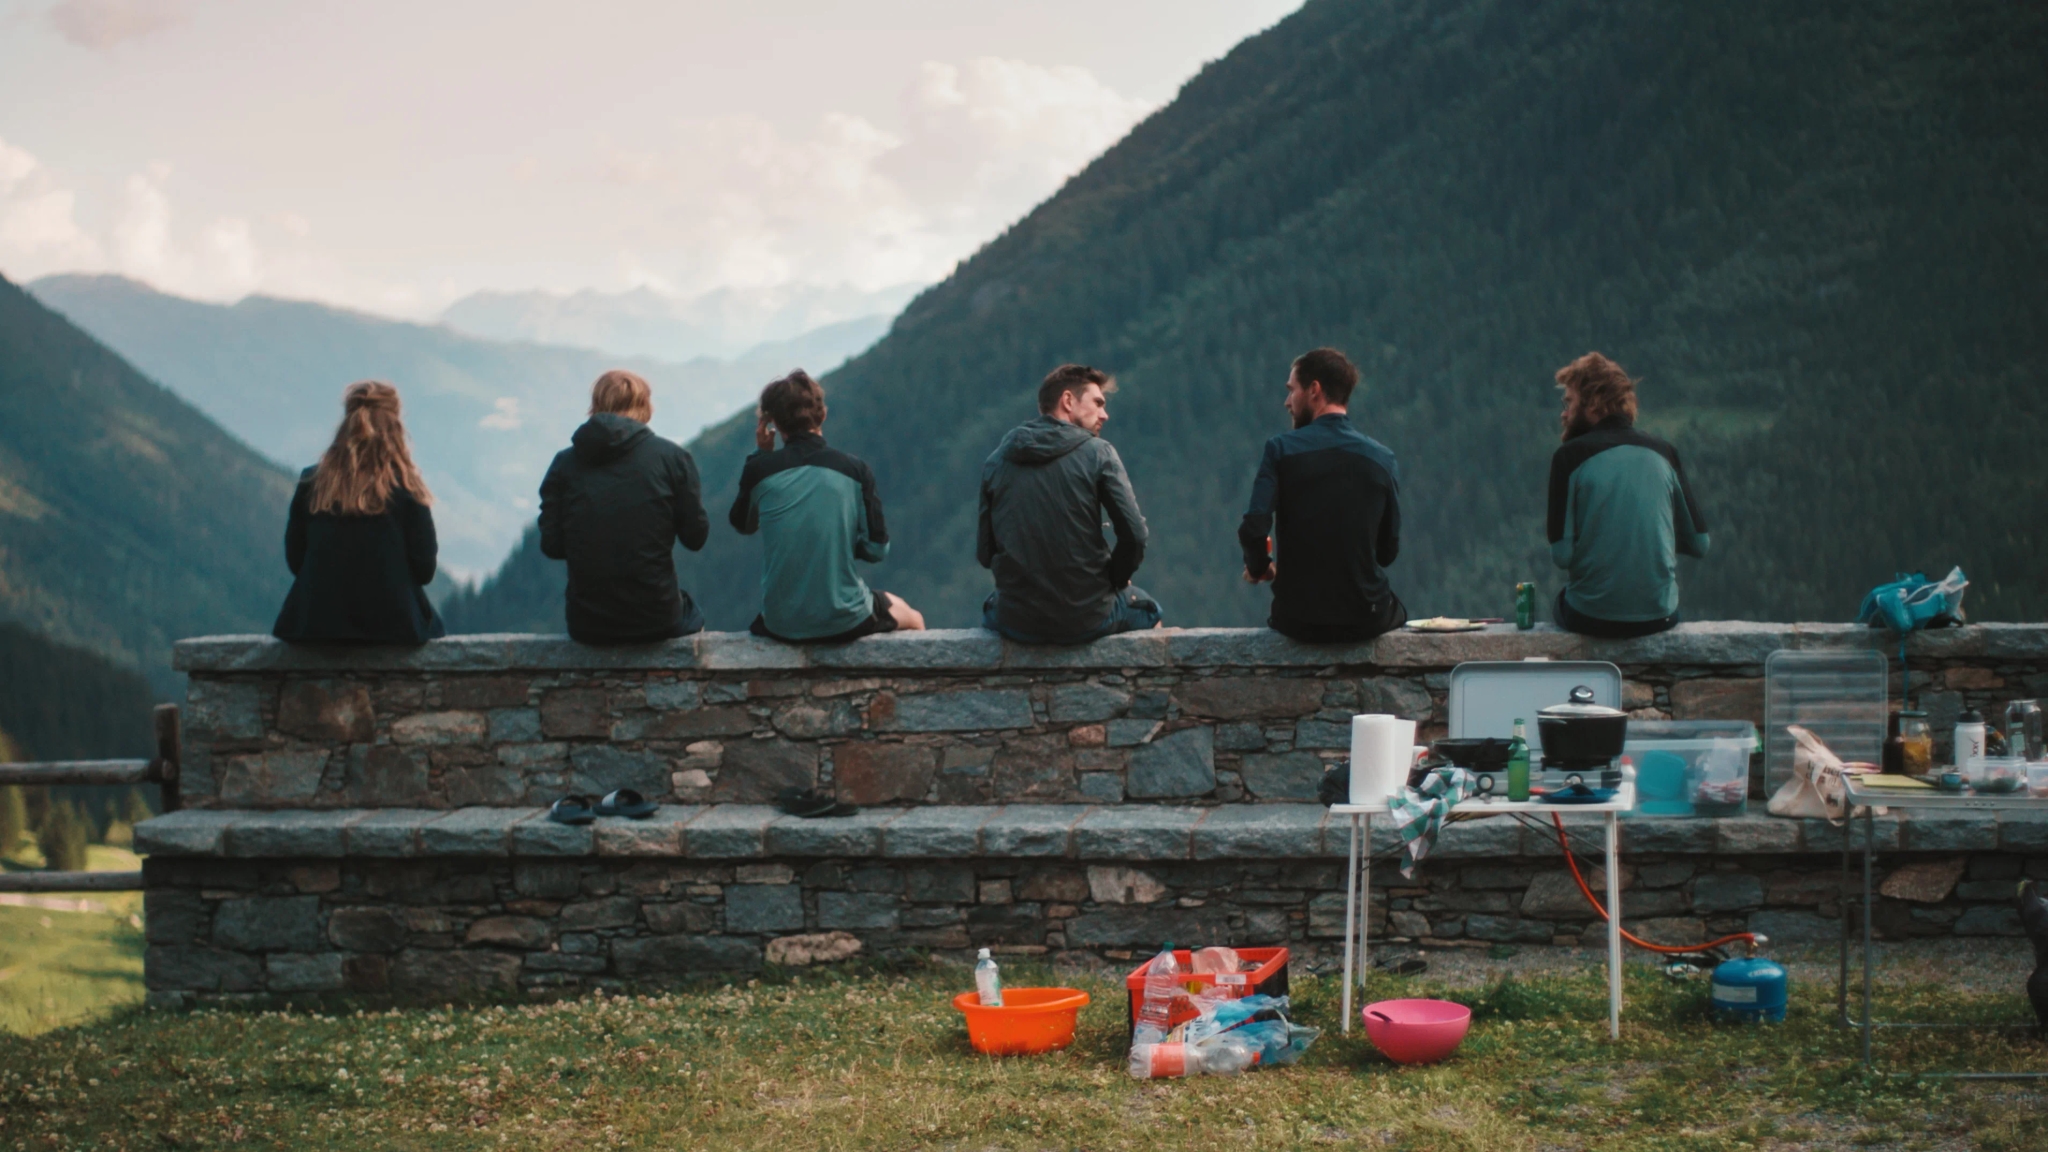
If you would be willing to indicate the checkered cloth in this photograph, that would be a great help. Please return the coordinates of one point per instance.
(1419, 812)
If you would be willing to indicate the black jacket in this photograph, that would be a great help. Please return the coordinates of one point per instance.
(613, 505)
(1044, 493)
(1330, 497)
(358, 579)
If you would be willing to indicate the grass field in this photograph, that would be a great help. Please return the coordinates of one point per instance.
(59, 965)
(876, 1058)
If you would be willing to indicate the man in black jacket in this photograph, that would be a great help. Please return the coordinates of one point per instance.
(1044, 493)
(613, 505)
(1329, 497)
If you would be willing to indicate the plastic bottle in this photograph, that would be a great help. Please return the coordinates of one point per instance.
(1223, 1057)
(1518, 762)
(988, 981)
(1162, 982)
(1969, 750)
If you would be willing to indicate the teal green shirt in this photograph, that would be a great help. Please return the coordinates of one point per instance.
(817, 512)
(1621, 512)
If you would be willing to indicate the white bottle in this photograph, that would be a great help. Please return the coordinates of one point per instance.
(1969, 751)
(988, 982)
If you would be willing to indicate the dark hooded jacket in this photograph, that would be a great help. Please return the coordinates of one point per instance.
(1044, 493)
(613, 505)
(358, 579)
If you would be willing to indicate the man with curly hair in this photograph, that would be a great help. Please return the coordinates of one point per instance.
(1621, 510)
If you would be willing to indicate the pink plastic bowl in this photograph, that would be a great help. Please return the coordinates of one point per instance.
(1416, 1031)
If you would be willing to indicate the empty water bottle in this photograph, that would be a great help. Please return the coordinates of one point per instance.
(988, 981)
(1162, 983)
(1221, 1056)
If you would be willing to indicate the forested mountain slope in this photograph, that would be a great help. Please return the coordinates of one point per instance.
(485, 415)
(127, 519)
(1818, 233)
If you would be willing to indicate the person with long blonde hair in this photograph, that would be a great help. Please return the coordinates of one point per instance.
(360, 538)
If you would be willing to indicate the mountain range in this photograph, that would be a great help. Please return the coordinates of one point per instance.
(127, 520)
(724, 323)
(485, 415)
(1817, 233)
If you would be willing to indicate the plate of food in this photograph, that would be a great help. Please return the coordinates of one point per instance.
(1446, 624)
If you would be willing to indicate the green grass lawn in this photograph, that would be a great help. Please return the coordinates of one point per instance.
(59, 966)
(877, 1058)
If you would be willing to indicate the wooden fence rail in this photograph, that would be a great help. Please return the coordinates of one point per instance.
(161, 770)
(70, 881)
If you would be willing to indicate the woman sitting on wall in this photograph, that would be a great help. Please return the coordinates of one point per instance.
(360, 541)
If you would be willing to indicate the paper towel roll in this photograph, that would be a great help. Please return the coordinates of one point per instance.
(1373, 766)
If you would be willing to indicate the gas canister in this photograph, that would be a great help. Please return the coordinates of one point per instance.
(1751, 989)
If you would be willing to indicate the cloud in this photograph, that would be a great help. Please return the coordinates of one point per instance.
(40, 233)
(738, 201)
(102, 24)
(504, 415)
(39, 230)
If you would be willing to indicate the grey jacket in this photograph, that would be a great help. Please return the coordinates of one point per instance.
(1044, 492)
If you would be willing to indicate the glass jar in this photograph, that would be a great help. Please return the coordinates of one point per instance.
(2023, 729)
(1916, 743)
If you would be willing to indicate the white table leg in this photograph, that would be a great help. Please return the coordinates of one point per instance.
(1365, 905)
(1350, 915)
(1613, 931)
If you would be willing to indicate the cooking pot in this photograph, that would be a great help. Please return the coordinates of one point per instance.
(1581, 733)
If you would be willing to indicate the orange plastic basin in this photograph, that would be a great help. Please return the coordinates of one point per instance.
(1030, 1020)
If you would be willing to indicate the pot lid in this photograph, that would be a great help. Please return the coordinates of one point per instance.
(1580, 704)
(1485, 696)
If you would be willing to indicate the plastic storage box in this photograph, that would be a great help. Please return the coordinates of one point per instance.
(1840, 697)
(1267, 976)
(1690, 767)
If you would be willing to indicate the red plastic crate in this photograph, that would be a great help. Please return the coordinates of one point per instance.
(1268, 976)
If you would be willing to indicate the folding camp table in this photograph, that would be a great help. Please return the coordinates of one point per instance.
(1358, 893)
(1867, 799)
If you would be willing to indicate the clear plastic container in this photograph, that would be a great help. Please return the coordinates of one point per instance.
(2000, 776)
(1691, 767)
(2037, 778)
(1840, 697)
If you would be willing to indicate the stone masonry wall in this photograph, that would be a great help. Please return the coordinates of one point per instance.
(371, 821)
(456, 928)
(1194, 716)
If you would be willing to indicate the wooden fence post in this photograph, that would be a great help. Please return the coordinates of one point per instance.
(165, 769)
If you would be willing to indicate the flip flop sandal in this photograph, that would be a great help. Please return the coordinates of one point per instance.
(1402, 965)
(805, 803)
(628, 803)
(571, 809)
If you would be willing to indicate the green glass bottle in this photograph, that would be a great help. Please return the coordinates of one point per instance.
(1518, 762)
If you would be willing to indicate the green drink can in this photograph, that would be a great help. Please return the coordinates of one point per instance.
(1525, 606)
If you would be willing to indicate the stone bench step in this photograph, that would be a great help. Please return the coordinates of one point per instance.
(1062, 831)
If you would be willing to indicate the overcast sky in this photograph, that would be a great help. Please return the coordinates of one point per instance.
(395, 155)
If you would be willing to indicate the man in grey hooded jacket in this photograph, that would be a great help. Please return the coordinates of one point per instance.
(1044, 493)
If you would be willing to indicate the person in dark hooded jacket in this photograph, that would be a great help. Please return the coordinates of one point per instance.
(613, 505)
(1044, 493)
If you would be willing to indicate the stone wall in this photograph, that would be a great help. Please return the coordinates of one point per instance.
(1176, 716)
(437, 905)
(370, 820)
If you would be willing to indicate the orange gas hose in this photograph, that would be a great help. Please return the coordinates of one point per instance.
(1631, 937)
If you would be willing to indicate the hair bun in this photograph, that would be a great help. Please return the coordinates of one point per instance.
(370, 394)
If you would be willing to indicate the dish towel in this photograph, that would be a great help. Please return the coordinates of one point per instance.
(1419, 812)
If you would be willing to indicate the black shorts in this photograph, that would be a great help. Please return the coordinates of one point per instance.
(880, 619)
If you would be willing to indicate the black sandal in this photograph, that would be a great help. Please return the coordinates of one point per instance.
(809, 804)
(628, 803)
(571, 809)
